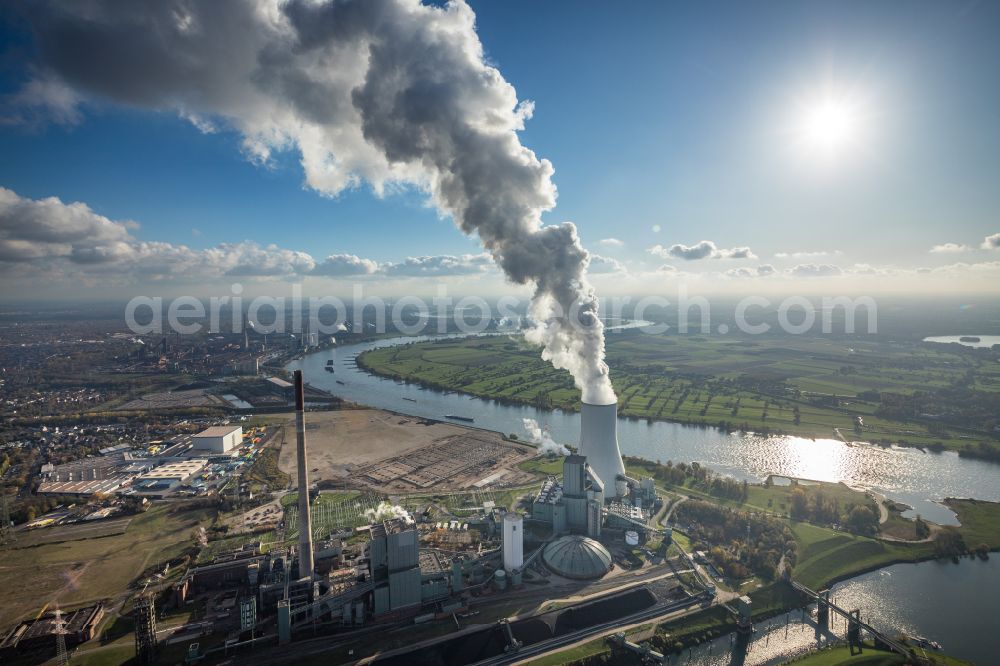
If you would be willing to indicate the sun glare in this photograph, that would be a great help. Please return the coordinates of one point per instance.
(828, 126)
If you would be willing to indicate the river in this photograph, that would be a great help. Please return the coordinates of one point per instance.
(911, 476)
(984, 341)
(944, 602)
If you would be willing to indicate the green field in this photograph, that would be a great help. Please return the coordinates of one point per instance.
(87, 570)
(841, 656)
(905, 392)
(825, 555)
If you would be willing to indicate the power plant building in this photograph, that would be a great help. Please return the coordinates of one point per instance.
(574, 506)
(394, 565)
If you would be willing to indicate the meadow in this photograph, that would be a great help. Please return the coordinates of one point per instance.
(74, 571)
(921, 394)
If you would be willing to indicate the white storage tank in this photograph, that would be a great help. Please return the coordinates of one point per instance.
(513, 541)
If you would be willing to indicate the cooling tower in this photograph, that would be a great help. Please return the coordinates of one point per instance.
(599, 441)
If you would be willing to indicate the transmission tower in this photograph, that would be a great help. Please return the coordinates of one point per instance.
(62, 657)
(144, 616)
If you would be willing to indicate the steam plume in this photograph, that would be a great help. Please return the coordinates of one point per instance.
(386, 511)
(541, 436)
(391, 92)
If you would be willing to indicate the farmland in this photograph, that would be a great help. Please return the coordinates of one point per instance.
(921, 394)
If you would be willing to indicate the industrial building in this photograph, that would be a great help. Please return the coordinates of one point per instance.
(78, 626)
(218, 439)
(166, 478)
(578, 557)
(576, 504)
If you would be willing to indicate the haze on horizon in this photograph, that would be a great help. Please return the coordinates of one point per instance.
(815, 148)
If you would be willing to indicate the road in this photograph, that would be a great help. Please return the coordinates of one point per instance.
(658, 612)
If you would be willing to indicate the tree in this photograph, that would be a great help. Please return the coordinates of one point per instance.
(800, 503)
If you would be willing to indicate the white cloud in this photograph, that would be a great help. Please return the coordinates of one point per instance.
(611, 242)
(815, 270)
(48, 228)
(43, 98)
(601, 264)
(807, 255)
(705, 249)
(949, 248)
(991, 242)
(439, 265)
(743, 272)
(656, 228)
(48, 236)
(253, 260)
(338, 265)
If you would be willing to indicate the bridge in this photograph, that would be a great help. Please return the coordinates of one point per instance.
(854, 623)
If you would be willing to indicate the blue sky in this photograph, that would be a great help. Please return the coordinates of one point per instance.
(654, 115)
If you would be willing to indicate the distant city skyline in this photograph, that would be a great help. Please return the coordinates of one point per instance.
(814, 148)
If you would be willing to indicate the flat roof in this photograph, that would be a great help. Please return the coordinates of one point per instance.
(218, 431)
(83, 487)
(278, 381)
(175, 470)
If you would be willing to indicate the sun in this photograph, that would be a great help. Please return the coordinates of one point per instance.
(829, 126)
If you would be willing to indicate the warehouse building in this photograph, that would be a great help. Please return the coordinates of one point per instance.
(168, 477)
(218, 439)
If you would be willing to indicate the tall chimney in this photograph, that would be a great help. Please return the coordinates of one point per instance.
(599, 442)
(305, 521)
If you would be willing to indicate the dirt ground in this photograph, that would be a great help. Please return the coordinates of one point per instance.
(337, 441)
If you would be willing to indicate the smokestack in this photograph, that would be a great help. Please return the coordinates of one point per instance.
(599, 441)
(305, 520)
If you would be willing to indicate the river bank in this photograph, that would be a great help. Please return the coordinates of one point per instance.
(809, 387)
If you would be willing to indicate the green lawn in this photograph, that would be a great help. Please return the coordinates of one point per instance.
(825, 555)
(980, 522)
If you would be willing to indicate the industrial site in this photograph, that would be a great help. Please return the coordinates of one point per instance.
(386, 522)
(448, 530)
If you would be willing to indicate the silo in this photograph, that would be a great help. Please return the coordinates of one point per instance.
(500, 579)
(513, 541)
(599, 441)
